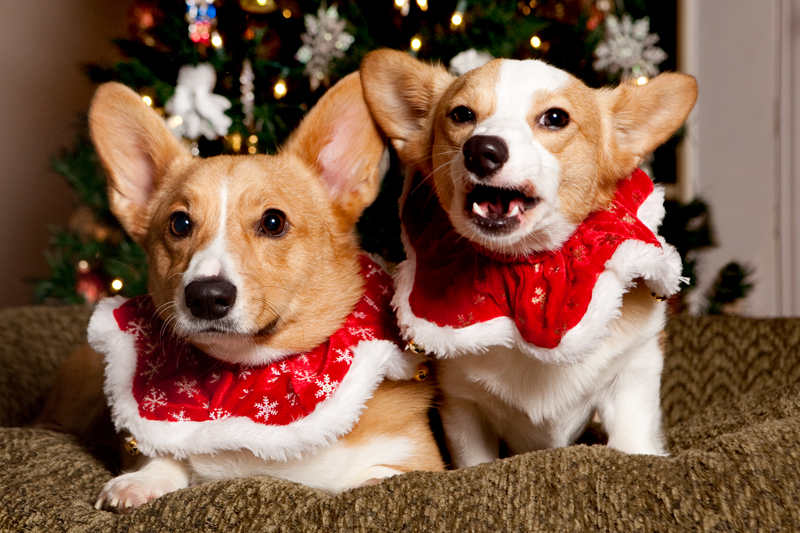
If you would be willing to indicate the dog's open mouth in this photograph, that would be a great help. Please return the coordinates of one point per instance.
(498, 210)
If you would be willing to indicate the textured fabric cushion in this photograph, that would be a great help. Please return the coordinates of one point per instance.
(731, 398)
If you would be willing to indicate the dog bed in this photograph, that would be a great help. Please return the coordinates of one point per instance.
(731, 401)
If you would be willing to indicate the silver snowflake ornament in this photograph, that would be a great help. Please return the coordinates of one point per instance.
(629, 47)
(323, 41)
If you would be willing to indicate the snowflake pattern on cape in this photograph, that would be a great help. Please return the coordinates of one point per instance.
(153, 399)
(326, 386)
(168, 389)
(266, 408)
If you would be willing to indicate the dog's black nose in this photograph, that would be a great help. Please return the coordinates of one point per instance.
(210, 298)
(485, 154)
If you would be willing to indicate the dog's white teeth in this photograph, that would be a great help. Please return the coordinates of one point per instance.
(478, 210)
(514, 212)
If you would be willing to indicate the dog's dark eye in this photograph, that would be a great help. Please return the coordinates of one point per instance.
(462, 114)
(180, 224)
(273, 223)
(555, 119)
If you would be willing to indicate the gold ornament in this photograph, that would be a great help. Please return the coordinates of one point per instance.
(415, 348)
(422, 372)
(659, 298)
(258, 6)
(131, 446)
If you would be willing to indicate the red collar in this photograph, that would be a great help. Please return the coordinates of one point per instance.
(455, 286)
(175, 381)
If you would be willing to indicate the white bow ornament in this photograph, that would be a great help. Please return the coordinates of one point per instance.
(202, 112)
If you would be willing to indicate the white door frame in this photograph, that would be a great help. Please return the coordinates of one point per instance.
(788, 148)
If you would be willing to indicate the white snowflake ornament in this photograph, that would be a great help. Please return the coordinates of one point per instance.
(468, 60)
(323, 41)
(629, 47)
(201, 112)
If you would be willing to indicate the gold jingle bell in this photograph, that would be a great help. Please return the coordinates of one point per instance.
(413, 347)
(131, 446)
(659, 298)
(422, 372)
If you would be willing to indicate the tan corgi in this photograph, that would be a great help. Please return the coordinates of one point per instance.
(532, 247)
(263, 345)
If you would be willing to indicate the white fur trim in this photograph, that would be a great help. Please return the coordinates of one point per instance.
(652, 211)
(659, 267)
(332, 418)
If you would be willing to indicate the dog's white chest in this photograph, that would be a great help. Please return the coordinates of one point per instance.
(506, 378)
(534, 405)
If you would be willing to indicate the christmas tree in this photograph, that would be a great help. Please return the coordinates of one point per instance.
(236, 76)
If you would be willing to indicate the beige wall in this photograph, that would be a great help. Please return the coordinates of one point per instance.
(737, 138)
(42, 93)
(743, 139)
(788, 285)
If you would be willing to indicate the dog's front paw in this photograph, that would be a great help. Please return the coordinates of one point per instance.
(129, 491)
(134, 489)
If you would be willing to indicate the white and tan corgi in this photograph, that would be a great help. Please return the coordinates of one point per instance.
(532, 247)
(263, 345)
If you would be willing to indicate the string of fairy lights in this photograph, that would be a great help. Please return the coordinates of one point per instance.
(628, 48)
(201, 19)
(325, 36)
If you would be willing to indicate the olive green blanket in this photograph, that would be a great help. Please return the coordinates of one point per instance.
(731, 400)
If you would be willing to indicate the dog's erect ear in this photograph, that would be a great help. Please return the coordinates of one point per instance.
(135, 147)
(643, 117)
(402, 92)
(339, 139)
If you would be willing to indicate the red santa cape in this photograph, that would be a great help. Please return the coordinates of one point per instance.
(453, 297)
(177, 400)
